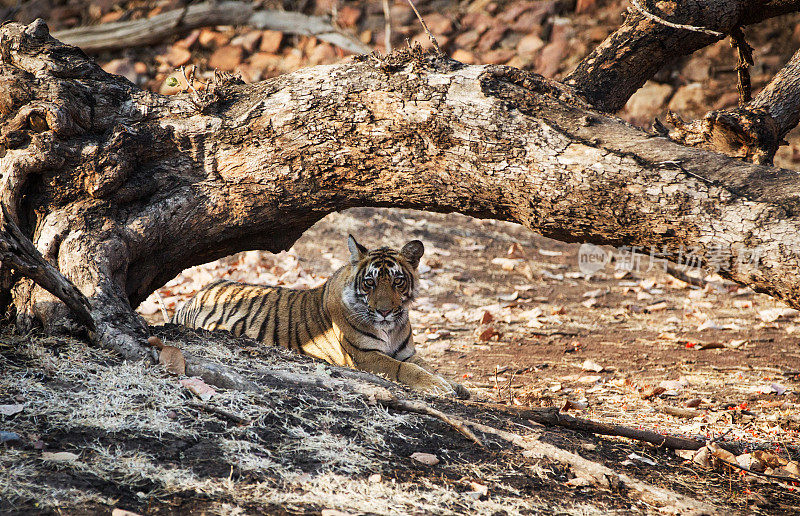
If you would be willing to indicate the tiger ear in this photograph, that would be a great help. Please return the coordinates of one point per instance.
(357, 251)
(412, 252)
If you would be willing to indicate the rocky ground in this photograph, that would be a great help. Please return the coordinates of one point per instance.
(510, 314)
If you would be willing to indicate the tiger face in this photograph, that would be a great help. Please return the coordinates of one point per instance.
(383, 283)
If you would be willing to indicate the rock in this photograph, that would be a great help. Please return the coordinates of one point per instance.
(226, 58)
(439, 23)
(499, 56)
(530, 44)
(189, 41)
(209, 38)
(585, 6)
(467, 39)
(401, 14)
(265, 61)
(323, 54)
(348, 16)
(124, 67)
(271, 41)
(491, 37)
(646, 103)
(248, 41)
(175, 56)
(697, 69)
(689, 100)
(465, 56)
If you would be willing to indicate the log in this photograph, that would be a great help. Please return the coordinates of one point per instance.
(147, 31)
(123, 188)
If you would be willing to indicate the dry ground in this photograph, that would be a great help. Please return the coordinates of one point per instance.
(141, 442)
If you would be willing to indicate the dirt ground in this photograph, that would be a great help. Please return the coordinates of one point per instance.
(507, 312)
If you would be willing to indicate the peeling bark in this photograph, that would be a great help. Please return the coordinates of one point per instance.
(122, 188)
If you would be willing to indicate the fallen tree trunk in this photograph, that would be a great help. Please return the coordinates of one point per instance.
(147, 31)
(122, 188)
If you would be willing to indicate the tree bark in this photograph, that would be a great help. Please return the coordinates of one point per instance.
(752, 131)
(122, 188)
(626, 59)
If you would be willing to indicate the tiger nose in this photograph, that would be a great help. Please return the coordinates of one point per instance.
(384, 312)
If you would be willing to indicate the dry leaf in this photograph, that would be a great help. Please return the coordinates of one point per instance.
(649, 392)
(515, 252)
(59, 456)
(10, 410)
(591, 365)
(486, 318)
(172, 359)
(487, 334)
(199, 388)
(656, 307)
(428, 459)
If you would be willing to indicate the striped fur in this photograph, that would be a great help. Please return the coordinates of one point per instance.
(358, 318)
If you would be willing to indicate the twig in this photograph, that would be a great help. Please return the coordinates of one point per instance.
(681, 275)
(17, 250)
(600, 474)
(425, 26)
(239, 420)
(422, 408)
(664, 22)
(552, 417)
(745, 60)
(387, 31)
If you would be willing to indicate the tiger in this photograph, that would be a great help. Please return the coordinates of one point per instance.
(358, 318)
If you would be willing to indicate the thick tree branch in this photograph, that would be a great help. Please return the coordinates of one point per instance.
(621, 64)
(147, 31)
(752, 131)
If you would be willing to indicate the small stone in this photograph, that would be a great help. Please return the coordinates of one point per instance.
(530, 44)
(270, 41)
(348, 16)
(439, 23)
(226, 58)
(464, 56)
(124, 67)
(499, 56)
(248, 41)
(375, 478)
(176, 56)
(323, 54)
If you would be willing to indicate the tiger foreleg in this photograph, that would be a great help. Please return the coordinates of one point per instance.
(461, 391)
(406, 373)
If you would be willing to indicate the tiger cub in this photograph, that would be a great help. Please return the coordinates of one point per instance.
(358, 318)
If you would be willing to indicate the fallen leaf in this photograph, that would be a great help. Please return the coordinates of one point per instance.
(509, 297)
(428, 459)
(590, 302)
(656, 307)
(173, 360)
(486, 318)
(578, 482)
(481, 489)
(639, 458)
(515, 252)
(10, 410)
(122, 512)
(59, 456)
(487, 334)
(199, 388)
(573, 405)
(546, 252)
(591, 365)
(773, 314)
(649, 392)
